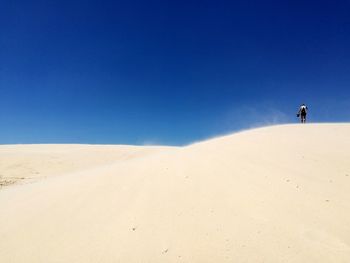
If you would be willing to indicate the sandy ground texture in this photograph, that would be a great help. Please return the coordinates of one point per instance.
(275, 194)
(28, 163)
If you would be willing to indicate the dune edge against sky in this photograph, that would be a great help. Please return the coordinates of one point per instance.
(274, 194)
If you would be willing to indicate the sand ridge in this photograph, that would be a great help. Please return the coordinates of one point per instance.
(275, 194)
(29, 163)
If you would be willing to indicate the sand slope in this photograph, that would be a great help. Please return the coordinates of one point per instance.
(276, 194)
(28, 163)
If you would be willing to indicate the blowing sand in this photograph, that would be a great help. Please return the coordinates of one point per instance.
(276, 194)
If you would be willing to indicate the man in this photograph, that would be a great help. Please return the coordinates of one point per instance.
(302, 113)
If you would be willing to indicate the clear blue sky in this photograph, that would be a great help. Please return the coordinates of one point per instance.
(168, 72)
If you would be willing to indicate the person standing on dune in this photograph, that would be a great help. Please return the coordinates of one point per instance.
(302, 113)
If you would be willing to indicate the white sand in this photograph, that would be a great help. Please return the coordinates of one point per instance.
(277, 194)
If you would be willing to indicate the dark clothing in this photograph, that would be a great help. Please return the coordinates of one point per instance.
(302, 113)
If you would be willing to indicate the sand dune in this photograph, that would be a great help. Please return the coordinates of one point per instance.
(28, 163)
(275, 194)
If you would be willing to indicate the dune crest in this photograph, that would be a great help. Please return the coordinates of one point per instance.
(275, 194)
